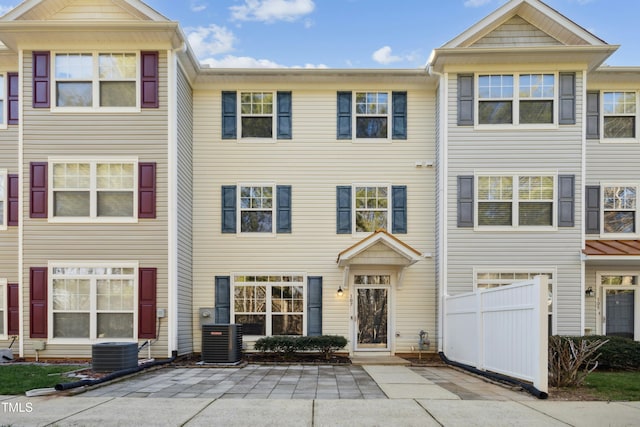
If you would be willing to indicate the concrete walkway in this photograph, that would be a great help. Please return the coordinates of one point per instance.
(408, 397)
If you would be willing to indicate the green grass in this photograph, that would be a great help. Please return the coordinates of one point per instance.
(17, 379)
(614, 385)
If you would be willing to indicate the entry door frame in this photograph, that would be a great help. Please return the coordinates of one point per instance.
(602, 304)
(353, 310)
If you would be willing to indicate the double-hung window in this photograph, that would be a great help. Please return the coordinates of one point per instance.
(96, 80)
(4, 191)
(272, 304)
(93, 302)
(619, 114)
(3, 100)
(515, 200)
(372, 114)
(93, 190)
(619, 209)
(257, 114)
(256, 208)
(371, 207)
(516, 99)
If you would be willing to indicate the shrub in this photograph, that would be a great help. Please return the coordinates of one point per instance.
(282, 344)
(618, 353)
(571, 359)
(287, 345)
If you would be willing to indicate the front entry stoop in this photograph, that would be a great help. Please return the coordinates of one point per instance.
(379, 360)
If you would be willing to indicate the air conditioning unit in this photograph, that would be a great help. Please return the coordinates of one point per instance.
(221, 343)
(114, 356)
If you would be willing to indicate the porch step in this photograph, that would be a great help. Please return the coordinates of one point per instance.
(379, 360)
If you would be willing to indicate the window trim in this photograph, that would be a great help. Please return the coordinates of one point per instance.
(92, 218)
(274, 211)
(603, 209)
(608, 140)
(355, 116)
(95, 83)
(93, 312)
(354, 210)
(516, 99)
(515, 203)
(274, 117)
(268, 313)
(5, 200)
(4, 308)
(4, 114)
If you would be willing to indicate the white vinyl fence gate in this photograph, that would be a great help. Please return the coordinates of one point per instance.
(502, 330)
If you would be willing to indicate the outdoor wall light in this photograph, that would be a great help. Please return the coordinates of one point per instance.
(340, 291)
(589, 292)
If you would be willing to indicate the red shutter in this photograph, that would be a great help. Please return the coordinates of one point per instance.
(38, 302)
(147, 302)
(41, 70)
(13, 324)
(146, 190)
(13, 199)
(150, 80)
(38, 208)
(13, 90)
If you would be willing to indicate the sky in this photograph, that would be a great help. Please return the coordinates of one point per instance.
(362, 33)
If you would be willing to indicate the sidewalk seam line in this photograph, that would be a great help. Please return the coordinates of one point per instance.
(79, 412)
(198, 413)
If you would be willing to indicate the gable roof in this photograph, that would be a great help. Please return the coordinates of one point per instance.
(523, 31)
(48, 10)
(401, 253)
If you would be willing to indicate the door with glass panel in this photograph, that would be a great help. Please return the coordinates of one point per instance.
(372, 312)
(619, 312)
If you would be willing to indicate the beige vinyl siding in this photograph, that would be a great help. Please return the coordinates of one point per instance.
(516, 32)
(556, 150)
(80, 10)
(91, 135)
(9, 237)
(185, 216)
(314, 162)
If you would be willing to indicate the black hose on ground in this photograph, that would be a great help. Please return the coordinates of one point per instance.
(116, 374)
(497, 377)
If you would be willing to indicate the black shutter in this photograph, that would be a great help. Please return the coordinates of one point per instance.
(284, 115)
(344, 115)
(314, 306)
(399, 207)
(592, 209)
(229, 120)
(283, 218)
(343, 209)
(399, 114)
(228, 209)
(593, 115)
(566, 200)
(223, 300)
(465, 201)
(567, 99)
(465, 100)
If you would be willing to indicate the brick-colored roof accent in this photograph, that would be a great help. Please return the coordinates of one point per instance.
(612, 247)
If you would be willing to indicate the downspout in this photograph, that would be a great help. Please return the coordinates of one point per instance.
(21, 175)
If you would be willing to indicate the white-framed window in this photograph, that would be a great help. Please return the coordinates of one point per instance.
(619, 115)
(257, 114)
(515, 200)
(4, 202)
(620, 209)
(95, 80)
(3, 309)
(372, 114)
(371, 207)
(93, 301)
(93, 190)
(256, 208)
(517, 99)
(493, 278)
(4, 103)
(270, 304)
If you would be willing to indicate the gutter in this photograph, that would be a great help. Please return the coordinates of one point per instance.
(496, 377)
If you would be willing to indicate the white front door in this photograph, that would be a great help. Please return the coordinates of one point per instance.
(372, 294)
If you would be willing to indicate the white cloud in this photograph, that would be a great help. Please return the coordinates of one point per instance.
(384, 56)
(476, 3)
(231, 61)
(211, 40)
(197, 6)
(272, 10)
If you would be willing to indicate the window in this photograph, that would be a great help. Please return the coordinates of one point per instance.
(96, 80)
(619, 208)
(4, 191)
(93, 303)
(269, 304)
(95, 190)
(371, 208)
(619, 114)
(516, 201)
(372, 110)
(3, 308)
(257, 114)
(256, 209)
(516, 99)
(3, 100)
